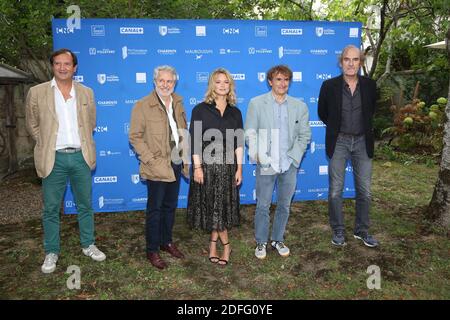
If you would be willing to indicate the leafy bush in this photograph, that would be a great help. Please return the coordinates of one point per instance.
(418, 128)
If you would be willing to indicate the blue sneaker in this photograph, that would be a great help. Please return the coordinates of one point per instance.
(367, 239)
(338, 238)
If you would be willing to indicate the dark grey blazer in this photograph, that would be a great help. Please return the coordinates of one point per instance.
(330, 110)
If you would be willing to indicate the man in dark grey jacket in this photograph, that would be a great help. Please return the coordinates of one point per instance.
(347, 105)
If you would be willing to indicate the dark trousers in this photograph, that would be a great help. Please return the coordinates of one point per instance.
(160, 215)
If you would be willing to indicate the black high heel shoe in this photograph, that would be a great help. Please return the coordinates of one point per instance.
(213, 259)
(223, 262)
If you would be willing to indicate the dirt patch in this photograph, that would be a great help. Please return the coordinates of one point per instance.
(21, 197)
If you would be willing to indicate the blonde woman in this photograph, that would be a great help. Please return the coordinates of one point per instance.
(217, 151)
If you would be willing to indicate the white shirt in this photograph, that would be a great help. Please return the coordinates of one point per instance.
(172, 123)
(68, 136)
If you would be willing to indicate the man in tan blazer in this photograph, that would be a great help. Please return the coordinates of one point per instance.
(60, 116)
(158, 135)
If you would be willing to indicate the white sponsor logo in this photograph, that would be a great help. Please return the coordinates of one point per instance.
(110, 179)
(101, 129)
(102, 201)
(126, 127)
(323, 76)
(319, 31)
(282, 51)
(319, 52)
(323, 170)
(316, 146)
(228, 51)
(98, 30)
(107, 103)
(316, 123)
(165, 30)
(135, 52)
(94, 51)
(166, 52)
(102, 78)
(141, 77)
(230, 30)
(261, 76)
(353, 33)
(297, 76)
(192, 101)
(131, 30)
(202, 76)
(108, 153)
(200, 31)
(135, 178)
(198, 51)
(261, 31)
(131, 153)
(318, 190)
(238, 76)
(349, 169)
(139, 200)
(162, 30)
(64, 30)
(131, 101)
(70, 204)
(291, 32)
(253, 50)
(78, 78)
(313, 99)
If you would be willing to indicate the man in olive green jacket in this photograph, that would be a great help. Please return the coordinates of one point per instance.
(158, 135)
(60, 117)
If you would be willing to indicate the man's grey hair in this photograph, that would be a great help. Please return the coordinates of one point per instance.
(165, 68)
(362, 56)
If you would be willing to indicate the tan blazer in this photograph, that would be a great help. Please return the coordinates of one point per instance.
(42, 124)
(149, 134)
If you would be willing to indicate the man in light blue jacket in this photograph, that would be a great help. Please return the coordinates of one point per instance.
(277, 134)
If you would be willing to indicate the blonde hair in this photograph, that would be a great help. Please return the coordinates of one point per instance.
(210, 95)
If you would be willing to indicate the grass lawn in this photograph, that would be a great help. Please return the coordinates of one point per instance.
(413, 259)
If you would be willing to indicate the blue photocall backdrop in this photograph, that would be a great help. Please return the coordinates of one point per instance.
(116, 58)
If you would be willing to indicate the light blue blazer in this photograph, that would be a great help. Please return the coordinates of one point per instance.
(260, 120)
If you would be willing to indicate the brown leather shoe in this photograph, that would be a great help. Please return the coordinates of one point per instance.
(173, 250)
(156, 261)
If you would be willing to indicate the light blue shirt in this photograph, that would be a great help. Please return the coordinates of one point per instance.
(279, 149)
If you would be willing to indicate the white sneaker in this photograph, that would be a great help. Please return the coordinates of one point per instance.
(260, 250)
(281, 248)
(49, 263)
(93, 252)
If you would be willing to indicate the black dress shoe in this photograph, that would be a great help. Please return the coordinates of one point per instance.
(156, 260)
(173, 250)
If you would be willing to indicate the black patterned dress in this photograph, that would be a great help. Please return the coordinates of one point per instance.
(214, 205)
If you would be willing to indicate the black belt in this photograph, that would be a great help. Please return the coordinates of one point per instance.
(69, 150)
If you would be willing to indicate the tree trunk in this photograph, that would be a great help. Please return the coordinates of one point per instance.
(439, 208)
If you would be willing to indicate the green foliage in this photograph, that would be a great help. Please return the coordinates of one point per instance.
(418, 128)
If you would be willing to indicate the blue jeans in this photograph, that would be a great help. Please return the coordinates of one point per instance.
(352, 148)
(160, 215)
(286, 183)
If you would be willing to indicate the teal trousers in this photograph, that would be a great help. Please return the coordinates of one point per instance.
(73, 167)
